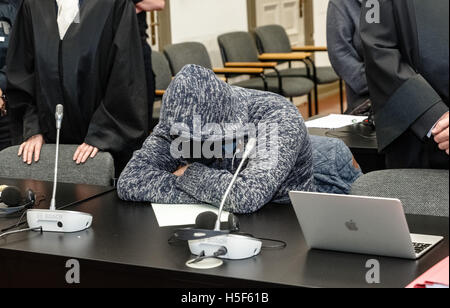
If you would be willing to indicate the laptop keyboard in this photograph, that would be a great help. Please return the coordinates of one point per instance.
(419, 247)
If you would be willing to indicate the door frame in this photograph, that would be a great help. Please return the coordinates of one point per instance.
(308, 19)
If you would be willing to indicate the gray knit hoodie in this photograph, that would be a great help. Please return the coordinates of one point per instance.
(197, 98)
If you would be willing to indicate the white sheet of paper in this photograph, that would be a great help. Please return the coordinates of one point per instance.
(334, 121)
(182, 214)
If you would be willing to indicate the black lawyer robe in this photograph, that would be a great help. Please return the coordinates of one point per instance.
(407, 66)
(96, 72)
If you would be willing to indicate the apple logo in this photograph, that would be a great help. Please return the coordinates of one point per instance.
(351, 225)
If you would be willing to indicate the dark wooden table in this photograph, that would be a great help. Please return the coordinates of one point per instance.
(361, 140)
(126, 248)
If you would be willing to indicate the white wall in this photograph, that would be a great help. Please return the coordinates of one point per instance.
(320, 30)
(204, 20)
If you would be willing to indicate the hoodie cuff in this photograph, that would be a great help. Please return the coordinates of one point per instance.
(191, 181)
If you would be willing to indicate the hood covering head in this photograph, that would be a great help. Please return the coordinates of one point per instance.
(199, 106)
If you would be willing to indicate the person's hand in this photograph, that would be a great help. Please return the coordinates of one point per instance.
(32, 146)
(181, 170)
(2, 105)
(84, 152)
(150, 5)
(441, 133)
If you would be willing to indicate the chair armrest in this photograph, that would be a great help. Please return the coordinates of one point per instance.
(309, 48)
(252, 64)
(239, 70)
(160, 92)
(291, 56)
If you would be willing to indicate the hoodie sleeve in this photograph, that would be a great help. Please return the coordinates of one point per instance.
(149, 177)
(259, 182)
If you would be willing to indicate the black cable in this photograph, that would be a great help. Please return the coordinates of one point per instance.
(19, 223)
(281, 246)
(20, 231)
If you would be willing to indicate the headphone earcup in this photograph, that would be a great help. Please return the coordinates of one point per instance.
(11, 196)
(233, 223)
(206, 221)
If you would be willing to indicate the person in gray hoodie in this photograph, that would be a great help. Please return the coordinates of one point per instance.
(200, 109)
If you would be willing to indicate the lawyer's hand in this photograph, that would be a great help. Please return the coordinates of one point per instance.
(84, 152)
(31, 147)
(441, 133)
(150, 5)
(181, 170)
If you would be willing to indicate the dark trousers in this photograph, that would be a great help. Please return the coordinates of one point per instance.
(408, 152)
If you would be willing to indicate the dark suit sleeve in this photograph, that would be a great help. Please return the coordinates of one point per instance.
(402, 98)
(121, 121)
(343, 54)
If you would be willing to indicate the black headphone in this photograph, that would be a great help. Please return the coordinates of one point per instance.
(204, 227)
(12, 197)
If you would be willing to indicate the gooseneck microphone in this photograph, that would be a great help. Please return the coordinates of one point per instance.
(54, 220)
(58, 117)
(222, 244)
(248, 150)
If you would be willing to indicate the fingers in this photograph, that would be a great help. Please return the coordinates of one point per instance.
(442, 136)
(37, 152)
(444, 146)
(94, 153)
(440, 126)
(77, 152)
(84, 152)
(25, 151)
(22, 146)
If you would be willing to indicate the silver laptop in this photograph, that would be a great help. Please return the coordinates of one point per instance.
(367, 225)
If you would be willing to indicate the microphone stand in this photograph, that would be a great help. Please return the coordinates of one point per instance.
(226, 246)
(53, 220)
(250, 146)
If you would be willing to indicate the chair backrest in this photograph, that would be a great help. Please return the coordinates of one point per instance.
(422, 192)
(238, 47)
(272, 39)
(96, 171)
(183, 54)
(161, 68)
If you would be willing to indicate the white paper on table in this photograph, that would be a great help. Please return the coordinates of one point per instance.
(182, 214)
(334, 121)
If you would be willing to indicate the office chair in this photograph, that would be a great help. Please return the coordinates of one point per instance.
(239, 49)
(273, 42)
(182, 54)
(422, 191)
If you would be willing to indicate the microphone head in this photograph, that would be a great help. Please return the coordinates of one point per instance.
(11, 196)
(206, 221)
(59, 115)
(251, 144)
(59, 111)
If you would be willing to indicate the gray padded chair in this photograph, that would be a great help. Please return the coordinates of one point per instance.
(241, 47)
(163, 78)
(161, 68)
(97, 171)
(274, 39)
(422, 192)
(182, 54)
